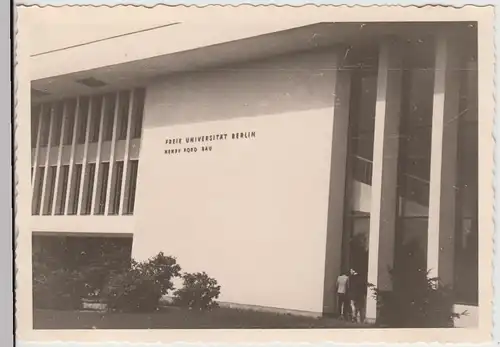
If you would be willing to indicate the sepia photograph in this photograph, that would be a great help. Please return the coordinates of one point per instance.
(303, 174)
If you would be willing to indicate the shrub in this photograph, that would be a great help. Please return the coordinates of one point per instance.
(417, 300)
(99, 259)
(162, 269)
(69, 269)
(141, 287)
(131, 291)
(199, 291)
(58, 289)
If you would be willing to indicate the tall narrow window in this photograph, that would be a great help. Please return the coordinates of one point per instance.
(117, 187)
(44, 131)
(137, 114)
(96, 118)
(362, 125)
(103, 186)
(123, 115)
(49, 191)
(63, 189)
(57, 124)
(359, 164)
(70, 122)
(132, 183)
(109, 115)
(87, 193)
(37, 191)
(414, 158)
(83, 113)
(75, 189)
(35, 120)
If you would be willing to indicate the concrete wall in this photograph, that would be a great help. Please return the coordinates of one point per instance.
(252, 212)
(469, 318)
(84, 224)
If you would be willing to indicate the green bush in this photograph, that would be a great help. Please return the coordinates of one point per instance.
(199, 291)
(141, 287)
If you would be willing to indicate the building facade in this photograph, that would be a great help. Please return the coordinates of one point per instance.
(277, 161)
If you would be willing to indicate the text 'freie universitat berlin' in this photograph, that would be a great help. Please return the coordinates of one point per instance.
(195, 144)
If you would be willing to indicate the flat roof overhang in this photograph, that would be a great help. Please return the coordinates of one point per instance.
(186, 58)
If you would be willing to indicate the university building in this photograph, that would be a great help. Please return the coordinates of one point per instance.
(274, 161)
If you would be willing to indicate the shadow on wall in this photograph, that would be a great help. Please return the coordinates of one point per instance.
(303, 81)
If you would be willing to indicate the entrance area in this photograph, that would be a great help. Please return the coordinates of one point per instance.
(405, 222)
(69, 269)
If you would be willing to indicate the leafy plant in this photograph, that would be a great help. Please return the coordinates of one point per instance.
(141, 287)
(95, 258)
(58, 289)
(69, 269)
(199, 291)
(417, 300)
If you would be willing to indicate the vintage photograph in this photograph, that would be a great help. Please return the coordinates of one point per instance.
(256, 174)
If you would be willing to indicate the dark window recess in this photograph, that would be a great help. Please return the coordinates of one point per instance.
(63, 189)
(35, 121)
(133, 166)
(45, 127)
(57, 124)
(109, 115)
(96, 118)
(70, 122)
(83, 115)
(118, 176)
(49, 190)
(37, 191)
(77, 177)
(137, 114)
(103, 179)
(89, 186)
(123, 115)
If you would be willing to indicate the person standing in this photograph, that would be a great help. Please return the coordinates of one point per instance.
(342, 288)
(357, 293)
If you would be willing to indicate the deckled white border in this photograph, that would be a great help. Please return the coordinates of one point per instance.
(216, 333)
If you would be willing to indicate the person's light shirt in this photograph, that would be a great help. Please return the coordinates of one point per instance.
(342, 283)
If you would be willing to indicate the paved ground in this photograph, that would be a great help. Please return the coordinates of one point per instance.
(176, 318)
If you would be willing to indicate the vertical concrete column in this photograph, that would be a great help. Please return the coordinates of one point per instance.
(57, 202)
(335, 226)
(385, 172)
(36, 163)
(97, 175)
(443, 174)
(83, 180)
(127, 151)
(45, 194)
(70, 193)
(114, 137)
